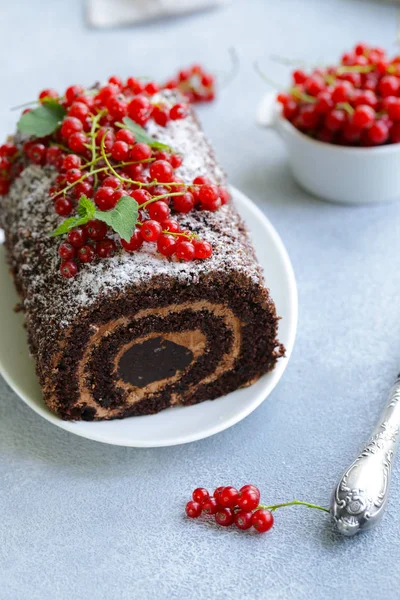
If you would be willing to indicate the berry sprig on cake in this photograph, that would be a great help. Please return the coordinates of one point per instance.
(117, 184)
(354, 103)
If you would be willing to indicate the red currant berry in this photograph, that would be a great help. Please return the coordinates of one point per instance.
(250, 487)
(378, 133)
(66, 251)
(63, 206)
(48, 93)
(53, 154)
(139, 109)
(324, 103)
(141, 196)
(80, 111)
(178, 111)
(86, 254)
(363, 116)
(96, 230)
(224, 195)
(299, 76)
(151, 88)
(224, 517)
(124, 135)
(184, 203)
(243, 519)
(104, 198)
(71, 161)
(335, 119)
(171, 225)
(389, 85)
(159, 210)
(68, 269)
(112, 182)
(83, 188)
(78, 142)
(262, 520)
(117, 108)
(4, 186)
(115, 80)
(185, 251)
(395, 133)
(37, 153)
(217, 492)
(202, 249)
(134, 171)
(342, 92)
(365, 97)
(193, 509)
(151, 230)
(134, 243)
(161, 171)
(140, 151)
(229, 497)
(160, 115)
(208, 194)
(70, 125)
(175, 161)
(105, 248)
(314, 85)
(209, 506)
(248, 500)
(8, 150)
(394, 110)
(200, 494)
(135, 85)
(77, 237)
(166, 244)
(120, 151)
(72, 92)
(117, 195)
(73, 175)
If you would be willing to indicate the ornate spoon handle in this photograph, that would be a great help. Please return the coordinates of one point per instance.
(360, 497)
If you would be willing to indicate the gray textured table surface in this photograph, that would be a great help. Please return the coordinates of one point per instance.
(83, 520)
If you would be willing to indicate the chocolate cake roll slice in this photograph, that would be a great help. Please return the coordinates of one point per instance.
(137, 332)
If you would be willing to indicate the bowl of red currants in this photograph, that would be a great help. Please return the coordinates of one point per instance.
(341, 127)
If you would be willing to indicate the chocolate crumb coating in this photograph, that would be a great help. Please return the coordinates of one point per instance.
(191, 331)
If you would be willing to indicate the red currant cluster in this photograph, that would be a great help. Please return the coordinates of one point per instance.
(195, 83)
(8, 169)
(99, 158)
(356, 103)
(229, 505)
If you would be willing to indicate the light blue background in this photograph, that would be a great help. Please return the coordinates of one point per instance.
(82, 520)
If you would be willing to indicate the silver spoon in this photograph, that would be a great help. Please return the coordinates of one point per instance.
(359, 499)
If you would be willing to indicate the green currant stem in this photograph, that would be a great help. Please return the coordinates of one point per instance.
(293, 503)
(301, 95)
(160, 197)
(355, 69)
(84, 176)
(346, 107)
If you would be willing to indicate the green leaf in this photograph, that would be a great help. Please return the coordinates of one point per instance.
(43, 120)
(86, 212)
(142, 136)
(122, 218)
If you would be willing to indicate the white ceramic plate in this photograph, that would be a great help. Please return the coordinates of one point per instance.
(175, 425)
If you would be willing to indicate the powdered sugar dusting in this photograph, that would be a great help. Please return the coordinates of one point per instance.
(28, 217)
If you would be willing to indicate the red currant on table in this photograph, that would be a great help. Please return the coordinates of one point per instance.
(262, 520)
(228, 497)
(243, 519)
(200, 494)
(224, 516)
(104, 198)
(193, 509)
(209, 506)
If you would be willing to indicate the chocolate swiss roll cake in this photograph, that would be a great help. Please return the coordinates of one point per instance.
(131, 328)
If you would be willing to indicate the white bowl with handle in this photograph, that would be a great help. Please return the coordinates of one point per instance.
(337, 173)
